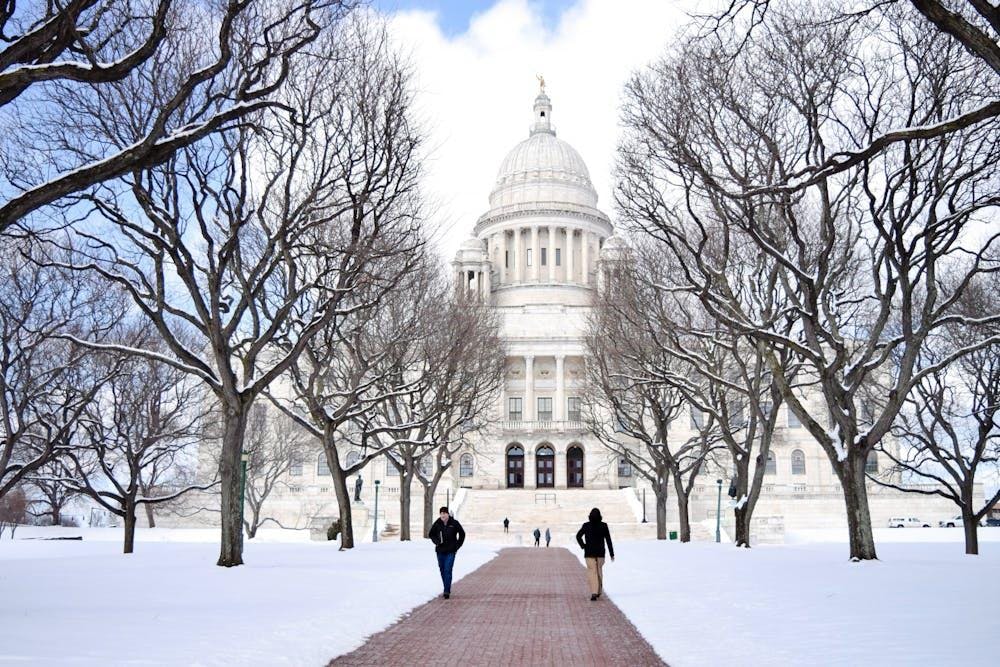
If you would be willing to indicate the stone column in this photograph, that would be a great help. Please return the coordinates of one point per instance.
(551, 259)
(529, 389)
(560, 471)
(518, 257)
(536, 260)
(585, 257)
(503, 402)
(502, 255)
(559, 412)
(487, 283)
(570, 277)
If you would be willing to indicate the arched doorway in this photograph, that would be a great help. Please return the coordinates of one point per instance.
(545, 467)
(515, 467)
(574, 467)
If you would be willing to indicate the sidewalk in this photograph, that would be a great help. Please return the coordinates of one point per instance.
(528, 606)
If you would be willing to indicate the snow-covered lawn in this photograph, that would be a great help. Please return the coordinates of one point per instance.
(706, 604)
(293, 603)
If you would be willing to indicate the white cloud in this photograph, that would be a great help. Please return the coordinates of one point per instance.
(476, 90)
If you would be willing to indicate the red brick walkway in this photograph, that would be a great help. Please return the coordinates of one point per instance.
(527, 606)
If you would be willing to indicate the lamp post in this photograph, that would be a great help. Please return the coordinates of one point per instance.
(718, 514)
(447, 497)
(244, 459)
(375, 529)
(644, 505)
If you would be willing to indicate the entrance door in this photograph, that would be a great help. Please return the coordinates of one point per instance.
(574, 467)
(545, 467)
(515, 468)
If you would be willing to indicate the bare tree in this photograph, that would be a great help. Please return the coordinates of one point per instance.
(857, 253)
(949, 428)
(257, 237)
(49, 494)
(148, 416)
(63, 67)
(973, 25)
(273, 445)
(45, 383)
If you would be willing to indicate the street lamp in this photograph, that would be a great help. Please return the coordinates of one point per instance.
(644, 505)
(375, 529)
(244, 459)
(718, 513)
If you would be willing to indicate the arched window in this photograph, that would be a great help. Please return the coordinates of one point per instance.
(871, 464)
(545, 450)
(295, 465)
(798, 462)
(466, 466)
(390, 470)
(353, 457)
(771, 467)
(322, 467)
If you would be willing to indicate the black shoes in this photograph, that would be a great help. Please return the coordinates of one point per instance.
(447, 596)
(593, 597)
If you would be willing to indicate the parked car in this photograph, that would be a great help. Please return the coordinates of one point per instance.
(907, 522)
(993, 522)
(955, 521)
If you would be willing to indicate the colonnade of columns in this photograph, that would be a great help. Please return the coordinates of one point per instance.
(517, 254)
(529, 407)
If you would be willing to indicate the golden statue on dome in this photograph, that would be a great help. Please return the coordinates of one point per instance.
(541, 82)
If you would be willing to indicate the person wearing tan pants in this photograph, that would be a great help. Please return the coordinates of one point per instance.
(591, 537)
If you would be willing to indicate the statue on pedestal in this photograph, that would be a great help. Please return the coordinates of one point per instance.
(357, 489)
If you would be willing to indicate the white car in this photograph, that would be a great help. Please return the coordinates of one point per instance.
(907, 522)
(955, 522)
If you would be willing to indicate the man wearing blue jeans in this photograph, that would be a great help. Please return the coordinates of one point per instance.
(448, 537)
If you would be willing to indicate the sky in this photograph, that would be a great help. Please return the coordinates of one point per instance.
(475, 66)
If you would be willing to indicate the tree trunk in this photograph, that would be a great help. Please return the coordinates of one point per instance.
(234, 424)
(130, 520)
(150, 516)
(405, 477)
(742, 510)
(682, 514)
(56, 515)
(859, 521)
(253, 524)
(661, 512)
(343, 495)
(971, 527)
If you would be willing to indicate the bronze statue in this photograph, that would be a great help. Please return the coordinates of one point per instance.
(357, 489)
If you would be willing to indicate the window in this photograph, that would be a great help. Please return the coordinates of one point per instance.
(793, 419)
(465, 466)
(425, 466)
(295, 466)
(871, 464)
(558, 257)
(544, 257)
(766, 407)
(798, 462)
(771, 467)
(528, 257)
(544, 409)
(573, 408)
(353, 457)
(390, 470)
(322, 467)
(737, 419)
(624, 467)
(506, 259)
(514, 409)
(697, 419)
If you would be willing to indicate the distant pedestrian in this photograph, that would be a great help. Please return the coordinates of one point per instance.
(591, 538)
(448, 536)
(538, 536)
(506, 525)
(548, 537)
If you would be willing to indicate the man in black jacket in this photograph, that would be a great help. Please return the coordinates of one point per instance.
(448, 536)
(591, 538)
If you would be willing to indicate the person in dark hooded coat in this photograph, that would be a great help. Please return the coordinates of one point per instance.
(591, 538)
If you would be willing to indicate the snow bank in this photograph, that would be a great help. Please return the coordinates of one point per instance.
(708, 604)
(168, 604)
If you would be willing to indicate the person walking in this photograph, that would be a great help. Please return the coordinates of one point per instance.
(506, 525)
(538, 536)
(591, 538)
(548, 536)
(448, 537)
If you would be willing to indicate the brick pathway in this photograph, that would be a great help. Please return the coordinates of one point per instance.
(525, 607)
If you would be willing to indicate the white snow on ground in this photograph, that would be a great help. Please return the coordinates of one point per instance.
(299, 603)
(713, 604)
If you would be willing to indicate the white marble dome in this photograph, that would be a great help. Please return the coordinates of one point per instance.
(543, 168)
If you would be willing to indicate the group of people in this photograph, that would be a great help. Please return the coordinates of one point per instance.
(448, 537)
